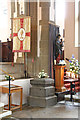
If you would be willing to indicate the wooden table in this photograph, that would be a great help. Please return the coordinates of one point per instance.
(13, 89)
(71, 81)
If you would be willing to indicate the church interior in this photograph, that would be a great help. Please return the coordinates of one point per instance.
(39, 59)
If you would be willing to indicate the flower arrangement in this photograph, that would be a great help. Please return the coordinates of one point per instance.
(74, 65)
(42, 74)
(7, 77)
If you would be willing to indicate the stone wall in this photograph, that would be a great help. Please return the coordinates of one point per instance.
(44, 43)
(17, 71)
(69, 47)
(35, 61)
(39, 38)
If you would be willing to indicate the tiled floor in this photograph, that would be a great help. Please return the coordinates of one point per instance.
(61, 110)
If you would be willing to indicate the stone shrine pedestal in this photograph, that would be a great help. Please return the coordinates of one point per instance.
(42, 93)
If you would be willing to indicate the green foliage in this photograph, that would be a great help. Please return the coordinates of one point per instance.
(7, 77)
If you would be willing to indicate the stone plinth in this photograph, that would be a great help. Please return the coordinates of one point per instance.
(43, 82)
(42, 93)
(42, 101)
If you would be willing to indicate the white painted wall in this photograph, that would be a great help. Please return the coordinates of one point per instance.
(25, 83)
(4, 20)
(60, 14)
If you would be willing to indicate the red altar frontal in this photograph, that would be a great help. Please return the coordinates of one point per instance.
(21, 34)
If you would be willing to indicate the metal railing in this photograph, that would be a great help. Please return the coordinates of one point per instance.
(7, 74)
(10, 76)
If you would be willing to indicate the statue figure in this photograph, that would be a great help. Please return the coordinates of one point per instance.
(58, 48)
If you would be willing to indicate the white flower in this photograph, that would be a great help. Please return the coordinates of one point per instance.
(42, 74)
(42, 70)
(39, 73)
(13, 78)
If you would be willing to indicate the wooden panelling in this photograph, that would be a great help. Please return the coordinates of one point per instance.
(6, 52)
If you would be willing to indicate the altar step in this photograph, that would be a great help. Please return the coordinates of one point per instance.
(66, 96)
(76, 97)
(4, 113)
